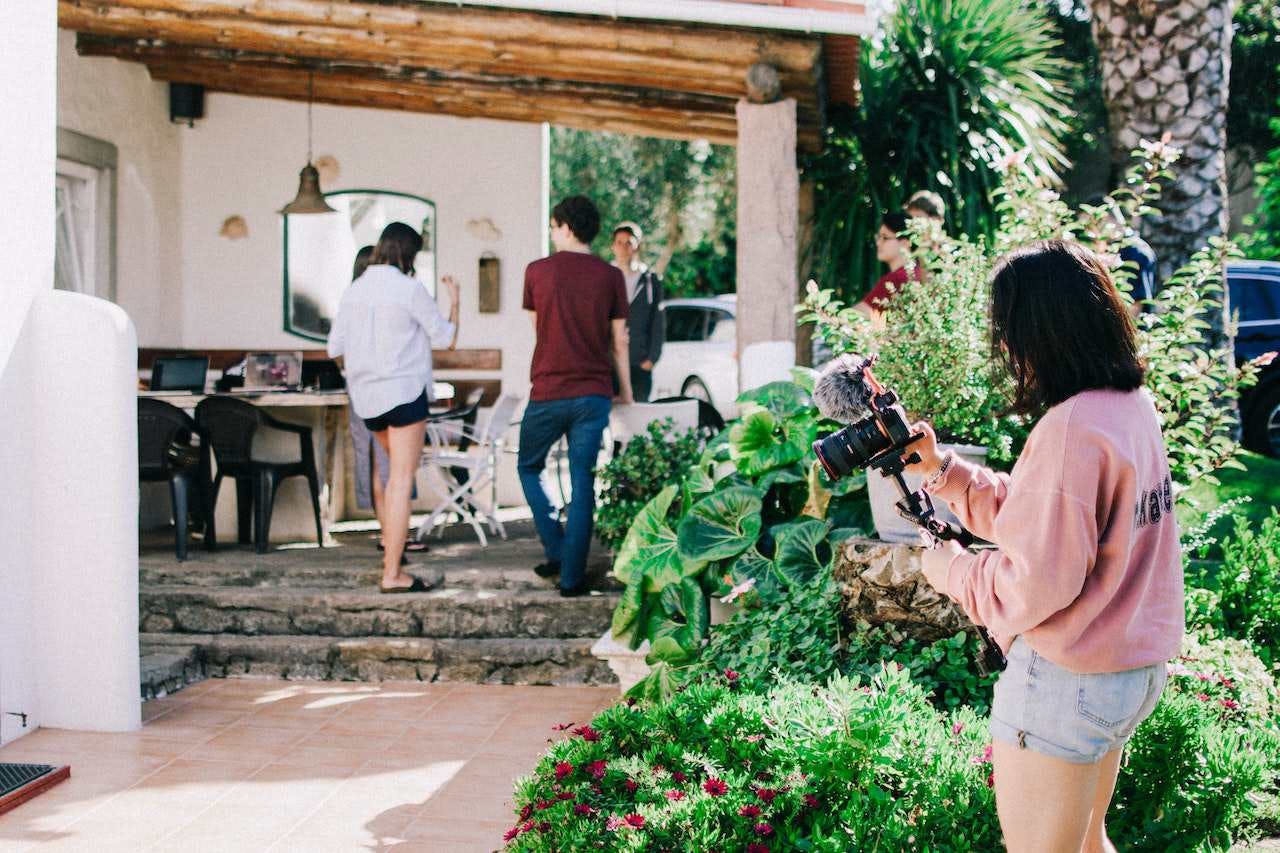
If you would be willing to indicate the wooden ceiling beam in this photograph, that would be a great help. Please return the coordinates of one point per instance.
(461, 40)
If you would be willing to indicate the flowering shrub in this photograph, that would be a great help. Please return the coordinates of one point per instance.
(842, 767)
(1243, 592)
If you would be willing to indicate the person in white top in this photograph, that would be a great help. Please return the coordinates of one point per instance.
(385, 328)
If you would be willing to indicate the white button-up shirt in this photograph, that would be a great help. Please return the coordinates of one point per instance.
(384, 330)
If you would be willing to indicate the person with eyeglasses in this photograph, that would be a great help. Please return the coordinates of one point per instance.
(892, 249)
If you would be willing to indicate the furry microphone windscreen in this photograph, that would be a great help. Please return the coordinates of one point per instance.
(841, 394)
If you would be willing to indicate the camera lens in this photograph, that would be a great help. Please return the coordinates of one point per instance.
(850, 448)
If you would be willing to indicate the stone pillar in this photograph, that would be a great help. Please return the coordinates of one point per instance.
(768, 226)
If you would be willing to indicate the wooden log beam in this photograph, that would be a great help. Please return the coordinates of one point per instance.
(467, 41)
(413, 96)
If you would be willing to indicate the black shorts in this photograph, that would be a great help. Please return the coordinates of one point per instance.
(402, 415)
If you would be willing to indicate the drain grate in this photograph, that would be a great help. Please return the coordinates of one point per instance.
(14, 776)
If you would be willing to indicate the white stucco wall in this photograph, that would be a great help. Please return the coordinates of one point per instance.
(118, 102)
(243, 158)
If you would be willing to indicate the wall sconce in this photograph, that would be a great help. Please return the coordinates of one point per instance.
(490, 284)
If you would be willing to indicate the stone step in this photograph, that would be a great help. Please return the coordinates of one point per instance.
(167, 667)
(442, 613)
(488, 661)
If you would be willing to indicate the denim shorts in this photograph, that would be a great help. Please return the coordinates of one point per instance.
(1075, 716)
(402, 415)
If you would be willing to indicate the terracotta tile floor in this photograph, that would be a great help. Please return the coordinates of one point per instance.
(255, 765)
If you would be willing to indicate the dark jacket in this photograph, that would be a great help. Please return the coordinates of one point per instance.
(646, 326)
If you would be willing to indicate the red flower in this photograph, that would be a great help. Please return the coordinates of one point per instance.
(560, 727)
(751, 810)
(715, 787)
(630, 785)
(763, 830)
(731, 676)
(766, 795)
(762, 775)
(985, 758)
(757, 847)
(635, 821)
(810, 801)
(1203, 697)
(587, 733)
(957, 728)
(1230, 704)
(675, 796)
(596, 769)
(658, 768)
(679, 777)
(545, 826)
(525, 812)
(565, 795)
(510, 834)
(563, 769)
(991, 779)
(1227, 683)
(583, 809)
(543, 805)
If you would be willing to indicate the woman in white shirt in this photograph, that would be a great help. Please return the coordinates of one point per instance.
(384, 331)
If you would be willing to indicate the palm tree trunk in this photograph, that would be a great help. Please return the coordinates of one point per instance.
(1165, 68)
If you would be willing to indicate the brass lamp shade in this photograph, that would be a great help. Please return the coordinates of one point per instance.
(309, 198)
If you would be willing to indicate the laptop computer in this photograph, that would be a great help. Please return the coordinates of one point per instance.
(180, 373)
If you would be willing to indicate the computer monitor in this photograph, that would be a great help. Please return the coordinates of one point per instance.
(180, 373)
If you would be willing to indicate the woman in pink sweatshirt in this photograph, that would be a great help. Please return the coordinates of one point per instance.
(1083, 591)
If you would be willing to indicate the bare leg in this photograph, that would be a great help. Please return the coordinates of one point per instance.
(404, 447)
(1095, 839)
(1044, 803)
(379, 494)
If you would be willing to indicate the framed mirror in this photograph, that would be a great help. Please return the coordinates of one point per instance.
(320, 250)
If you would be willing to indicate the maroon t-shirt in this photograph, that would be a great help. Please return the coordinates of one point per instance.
(575, 295)
(880, 294)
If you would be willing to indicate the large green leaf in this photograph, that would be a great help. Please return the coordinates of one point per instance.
(658, 686)
(805, 377)
(627, 615)
(783, 399)
(789, 474)
(803, 550)
(668, 650)
(651, 550)
(754, 445)
(752, 566)
(721, 525)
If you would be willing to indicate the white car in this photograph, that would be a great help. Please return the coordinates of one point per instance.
(700, 356)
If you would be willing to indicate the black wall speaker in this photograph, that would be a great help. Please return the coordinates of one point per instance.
(186, 103)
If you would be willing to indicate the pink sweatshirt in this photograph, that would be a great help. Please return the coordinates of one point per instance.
(1087, 567)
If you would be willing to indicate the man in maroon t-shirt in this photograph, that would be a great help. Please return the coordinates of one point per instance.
(578, 304)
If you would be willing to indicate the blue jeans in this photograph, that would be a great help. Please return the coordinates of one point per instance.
(583, 420)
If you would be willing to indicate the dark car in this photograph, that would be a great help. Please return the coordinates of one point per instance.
(1254, 288)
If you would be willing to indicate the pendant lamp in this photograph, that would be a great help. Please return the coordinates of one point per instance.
(309, 199)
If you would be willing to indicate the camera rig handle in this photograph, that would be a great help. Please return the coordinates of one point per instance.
(916, 507)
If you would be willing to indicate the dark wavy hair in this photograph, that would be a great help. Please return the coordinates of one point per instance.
(581, 215)
(398, 245)
(1059, 326)
(361, 263)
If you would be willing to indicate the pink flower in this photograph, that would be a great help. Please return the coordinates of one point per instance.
(678, 777)
(731, 676)
(1266, 358)
(583, 809)
(658, 768)
(564, 795)
(810, 801)
(757, 847)
(763, 830)
(563, 769)
(766, 795)
(597, 769)
(510, 834)
(751, 810)
(675, 796)
(1200, 676)
(525, 812)
(957, 728)
(715, 787)
(614, 823)
(739, 591)
(1227, 683)
(1203, 697)
(985, 758)
(1230, 704)
(630, 785)
(560, 727)
(635, 821)
(587, 733)
(543, 805)
(754, 738)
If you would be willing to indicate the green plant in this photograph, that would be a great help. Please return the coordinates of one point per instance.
(945, 669)
(656, 458)
(754, 515)
(1245, 588)
(1263, 242)
(948, 90)
(847, 766)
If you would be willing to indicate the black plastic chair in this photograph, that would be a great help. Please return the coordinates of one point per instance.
(231, 425)
(165, 455)
(710, 422)
(464, 415)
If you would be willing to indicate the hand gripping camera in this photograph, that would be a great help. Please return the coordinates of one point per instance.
(877, 436)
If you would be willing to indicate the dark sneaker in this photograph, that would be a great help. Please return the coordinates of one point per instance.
(575, 591)
(547, 570)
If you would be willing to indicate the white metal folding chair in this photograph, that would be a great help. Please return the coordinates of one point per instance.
(480, 464)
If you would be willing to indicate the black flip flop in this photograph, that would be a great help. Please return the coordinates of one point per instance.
(411, 546)
(418, 585)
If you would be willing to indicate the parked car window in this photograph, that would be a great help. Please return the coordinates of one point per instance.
(686, 323)
(725, 328)
(1257, 298)
(714, 316)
